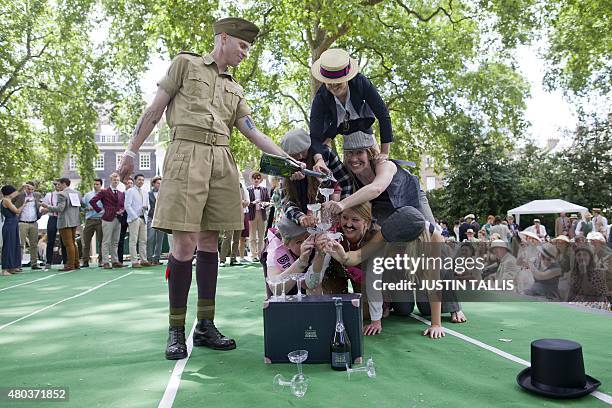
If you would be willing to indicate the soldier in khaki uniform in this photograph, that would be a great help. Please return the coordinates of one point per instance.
(200, 194)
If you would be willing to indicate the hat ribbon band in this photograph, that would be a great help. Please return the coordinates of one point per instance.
(335, 74)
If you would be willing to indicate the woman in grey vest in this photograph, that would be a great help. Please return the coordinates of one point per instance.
(383, 182)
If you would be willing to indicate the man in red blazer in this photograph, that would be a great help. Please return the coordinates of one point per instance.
(112, 201)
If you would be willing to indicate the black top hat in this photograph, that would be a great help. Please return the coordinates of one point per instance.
(557, 370)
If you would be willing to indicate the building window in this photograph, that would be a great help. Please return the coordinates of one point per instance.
(431, 183)
(73, 162)
(118, 157)
(145, 161)
(109, 138)
(429, 161)
(99, 162)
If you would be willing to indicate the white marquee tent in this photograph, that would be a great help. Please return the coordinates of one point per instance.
(546, 207)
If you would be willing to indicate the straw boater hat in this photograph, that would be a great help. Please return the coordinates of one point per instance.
(334, 66)
(548, 250)
(470, 216)
(574, 216)
(595, 236)
(563, 238)
(536, 220)
(525, 234)
(469, 231)
(499, 243)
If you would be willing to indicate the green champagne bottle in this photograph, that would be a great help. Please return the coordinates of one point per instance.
(285, 166)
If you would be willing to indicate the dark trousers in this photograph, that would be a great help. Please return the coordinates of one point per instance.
(122, 234)
(51, 235)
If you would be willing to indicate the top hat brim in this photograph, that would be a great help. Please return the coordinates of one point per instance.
(315, 69)
(524, 380)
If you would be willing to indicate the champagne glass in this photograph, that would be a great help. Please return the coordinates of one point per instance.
(299, 385)
(284, 280)
(297, 277)
(326, 192)
(298, 357)
(369, 369)
(274, 281)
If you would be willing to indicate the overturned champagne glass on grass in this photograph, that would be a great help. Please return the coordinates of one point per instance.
(299, 382)
(368, 368)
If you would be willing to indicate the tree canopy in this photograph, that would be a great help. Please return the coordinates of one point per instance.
(443, 67)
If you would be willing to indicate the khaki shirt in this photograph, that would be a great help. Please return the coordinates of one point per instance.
(201, 96)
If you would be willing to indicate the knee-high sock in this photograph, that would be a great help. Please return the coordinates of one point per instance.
(207, 268)
(179, 282)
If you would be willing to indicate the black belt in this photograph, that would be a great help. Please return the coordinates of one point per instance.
(28, 222)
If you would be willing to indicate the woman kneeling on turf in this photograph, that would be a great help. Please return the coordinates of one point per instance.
(408, 227)
(294, 251)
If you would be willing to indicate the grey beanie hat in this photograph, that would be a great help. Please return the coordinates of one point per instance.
(289, 229)
(295, 141)
(358, 140)
(404, 225)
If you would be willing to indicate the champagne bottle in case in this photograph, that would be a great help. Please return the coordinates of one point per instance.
(341, 344)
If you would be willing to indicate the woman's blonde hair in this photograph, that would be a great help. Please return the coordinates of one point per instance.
(363, 210)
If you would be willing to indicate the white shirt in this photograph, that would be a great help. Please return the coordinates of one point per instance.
(542, 233)
(600, 224)
(51, 200)
(343, 108)
(245, 196)
(136, 204)
(28, 213)
(257, 195)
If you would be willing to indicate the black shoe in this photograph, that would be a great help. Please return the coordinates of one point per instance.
(234, 262)
(35, 266)
(206, 334)
(176, 348)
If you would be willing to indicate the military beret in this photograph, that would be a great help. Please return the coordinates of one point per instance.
(237, 27)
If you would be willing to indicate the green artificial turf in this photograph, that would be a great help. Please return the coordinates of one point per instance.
(107, 347)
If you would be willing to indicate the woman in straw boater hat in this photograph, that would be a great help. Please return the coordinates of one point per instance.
(345, 103)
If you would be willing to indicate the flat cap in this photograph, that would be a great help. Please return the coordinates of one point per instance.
(289, 229)
(237, 27)
(404, 225)
(295, 141)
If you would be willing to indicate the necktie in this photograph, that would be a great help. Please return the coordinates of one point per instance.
(538, 230)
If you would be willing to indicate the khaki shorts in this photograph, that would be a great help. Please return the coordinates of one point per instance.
(200, 190)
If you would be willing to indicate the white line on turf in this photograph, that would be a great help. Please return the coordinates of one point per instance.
(175, 378)
(36, 280)
(597, 394)
(64, 300)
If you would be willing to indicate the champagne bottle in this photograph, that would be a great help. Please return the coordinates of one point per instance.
(285, 167)
(340, 345)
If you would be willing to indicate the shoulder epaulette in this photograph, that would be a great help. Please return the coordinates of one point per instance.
(189, 53)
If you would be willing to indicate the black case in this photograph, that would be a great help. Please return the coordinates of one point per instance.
(309, 324)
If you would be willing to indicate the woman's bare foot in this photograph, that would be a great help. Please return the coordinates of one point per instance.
(458, 317)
